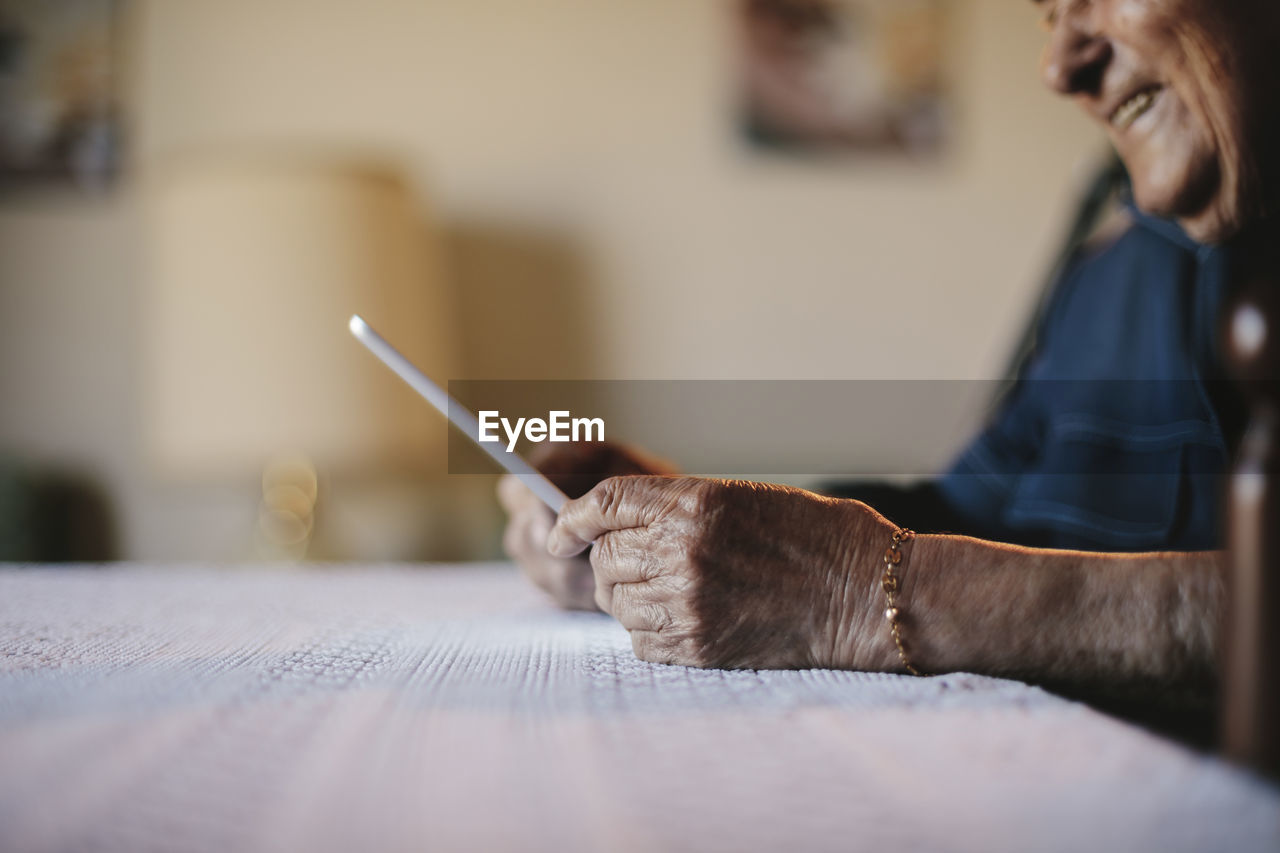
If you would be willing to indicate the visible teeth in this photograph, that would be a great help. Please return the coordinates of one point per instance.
(1129, 111)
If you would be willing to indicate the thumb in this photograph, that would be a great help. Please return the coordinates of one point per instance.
(618, 503)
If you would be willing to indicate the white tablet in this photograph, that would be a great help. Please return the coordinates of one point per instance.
(458, 415)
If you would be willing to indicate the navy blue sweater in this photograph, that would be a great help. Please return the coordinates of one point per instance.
(1116, 435)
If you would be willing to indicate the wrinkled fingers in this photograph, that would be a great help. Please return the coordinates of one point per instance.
(630, 556)
(638, 607)
(616, 504)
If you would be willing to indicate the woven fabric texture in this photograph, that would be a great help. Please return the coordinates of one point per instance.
(451, 708)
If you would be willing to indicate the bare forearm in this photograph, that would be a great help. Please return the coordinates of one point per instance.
(1063, 616)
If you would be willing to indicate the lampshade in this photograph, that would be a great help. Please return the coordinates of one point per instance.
(256, 263)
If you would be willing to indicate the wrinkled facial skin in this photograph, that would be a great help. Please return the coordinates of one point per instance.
(1187, 90)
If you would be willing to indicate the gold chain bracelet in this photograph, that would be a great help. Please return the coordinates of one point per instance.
(891, 583)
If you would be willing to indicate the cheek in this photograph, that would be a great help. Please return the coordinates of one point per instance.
(1149, 24)
(1132, 17)
(1181, 41)
(1200, 158)
(1210, 88)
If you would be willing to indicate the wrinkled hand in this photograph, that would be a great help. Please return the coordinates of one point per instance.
(575, 468)
(718, 573)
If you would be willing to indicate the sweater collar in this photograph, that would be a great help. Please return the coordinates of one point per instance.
(1166, 228)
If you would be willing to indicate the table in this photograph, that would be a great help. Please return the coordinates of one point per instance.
(451, 708)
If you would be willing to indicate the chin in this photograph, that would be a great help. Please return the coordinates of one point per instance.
(1204, 207)
(1225, 215)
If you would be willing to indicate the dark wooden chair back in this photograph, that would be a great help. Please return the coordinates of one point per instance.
(1250, 709)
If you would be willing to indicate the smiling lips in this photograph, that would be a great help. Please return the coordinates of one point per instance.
(1138, 104)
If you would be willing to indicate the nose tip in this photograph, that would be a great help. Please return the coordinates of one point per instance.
(1074, 61)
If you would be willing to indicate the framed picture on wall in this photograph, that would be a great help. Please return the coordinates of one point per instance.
(841, 76)
(60, 121)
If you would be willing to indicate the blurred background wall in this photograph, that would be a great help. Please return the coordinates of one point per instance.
(595, 213)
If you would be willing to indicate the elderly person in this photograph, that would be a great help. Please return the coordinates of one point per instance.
(1092, 503)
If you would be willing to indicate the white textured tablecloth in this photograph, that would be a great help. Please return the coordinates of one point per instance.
(440, 709)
